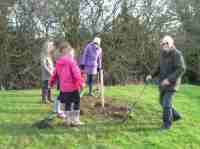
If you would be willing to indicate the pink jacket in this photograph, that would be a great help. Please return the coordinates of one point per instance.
(68, 73)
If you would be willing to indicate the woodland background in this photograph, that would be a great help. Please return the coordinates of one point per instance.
(130, 32)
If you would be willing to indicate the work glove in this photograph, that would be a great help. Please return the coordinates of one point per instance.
(82, 67)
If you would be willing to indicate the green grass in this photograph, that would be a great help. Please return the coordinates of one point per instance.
(20, 109)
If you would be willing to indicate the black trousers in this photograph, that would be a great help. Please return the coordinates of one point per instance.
(69, 98)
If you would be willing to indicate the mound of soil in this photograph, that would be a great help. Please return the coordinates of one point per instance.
(92, 106)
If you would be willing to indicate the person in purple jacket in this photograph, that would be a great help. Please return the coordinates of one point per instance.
(91, 61)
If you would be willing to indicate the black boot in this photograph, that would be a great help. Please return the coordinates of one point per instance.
(90, 84)
(49, 96)
(44, 96)
(167, 118)
(90, 90)
(176, 115)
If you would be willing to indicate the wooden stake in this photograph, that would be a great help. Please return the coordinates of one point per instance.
(102, 88)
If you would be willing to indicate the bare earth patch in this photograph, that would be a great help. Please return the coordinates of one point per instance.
(91, 106)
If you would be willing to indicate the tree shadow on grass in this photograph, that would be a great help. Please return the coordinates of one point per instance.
(21, 102)
(17, 95)
(15, 129)
(23, 111)
(111, 127)
(94, 128)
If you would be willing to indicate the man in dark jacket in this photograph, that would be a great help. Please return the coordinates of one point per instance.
(171, 70)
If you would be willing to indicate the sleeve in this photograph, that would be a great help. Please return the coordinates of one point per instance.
(54, 78)
(44, 63)
(180, 68)
(76, 73)
(156, 72)
(84, 56)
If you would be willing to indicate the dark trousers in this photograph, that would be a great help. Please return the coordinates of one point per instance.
(45, 84)
(90, 81)
(169, 113)
(45, 88)
(69, 99)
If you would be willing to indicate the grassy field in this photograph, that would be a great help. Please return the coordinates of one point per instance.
(20, 109)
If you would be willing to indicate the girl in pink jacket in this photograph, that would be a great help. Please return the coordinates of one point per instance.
(71, 82)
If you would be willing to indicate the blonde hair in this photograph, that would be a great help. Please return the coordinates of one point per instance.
(65, 48)
(64, 45)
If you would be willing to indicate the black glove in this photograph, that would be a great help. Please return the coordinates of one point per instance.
(82, 67)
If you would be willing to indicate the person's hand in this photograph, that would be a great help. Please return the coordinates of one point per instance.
(165, 82)
(51, 87)
(84, 85)
(149, 77)
(51, 72)
(82, 67)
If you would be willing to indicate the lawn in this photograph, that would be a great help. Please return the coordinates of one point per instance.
(20, 109)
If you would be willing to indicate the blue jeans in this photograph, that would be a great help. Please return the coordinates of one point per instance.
(90, 82)
(166, 98)
(45, 85)
(45, 88)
